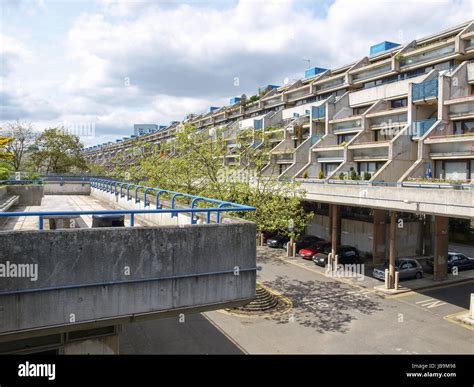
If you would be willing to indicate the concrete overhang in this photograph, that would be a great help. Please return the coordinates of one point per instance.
(369, 145)
(441, 202)
(456, 100)
(387, 112)
(449, 139)
(452, 155)
(329, 148)
(330, 160)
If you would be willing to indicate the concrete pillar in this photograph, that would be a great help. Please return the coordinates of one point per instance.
(392, 249)
(379, 236)
(335, 228)
(428, 232)
(441, 242)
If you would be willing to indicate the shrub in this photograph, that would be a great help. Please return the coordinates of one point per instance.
(4, 173)
(305, 174)
(341, 176)
(32, 176)
(321, 175)
(367, 176)
(354, 175)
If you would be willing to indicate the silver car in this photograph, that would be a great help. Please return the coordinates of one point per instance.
(406, 267)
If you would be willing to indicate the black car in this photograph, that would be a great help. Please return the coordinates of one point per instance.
(347, 255)
(458, 260)
(278, 241)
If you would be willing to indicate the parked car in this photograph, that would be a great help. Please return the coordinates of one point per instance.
(268, 234)
(307, 241)
(461, 261)
(310, 252)
(278, 241)
(407, 268)
(347, 255)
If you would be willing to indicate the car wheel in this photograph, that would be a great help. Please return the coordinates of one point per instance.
(419, 275)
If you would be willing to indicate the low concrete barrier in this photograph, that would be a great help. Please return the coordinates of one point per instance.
(108, 274)
(67, 188)
(30, 195)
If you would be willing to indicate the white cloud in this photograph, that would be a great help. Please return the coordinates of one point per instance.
(181, 58)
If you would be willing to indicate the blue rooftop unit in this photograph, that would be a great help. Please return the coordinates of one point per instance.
(160, 127)
(174, 122)
(381, 47)
(267, 88)
(313, 71)
(234, 100)
(212, 108)
(119, 140)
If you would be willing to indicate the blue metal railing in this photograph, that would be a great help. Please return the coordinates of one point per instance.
(420, 127)
(110, 186)
(427, 89)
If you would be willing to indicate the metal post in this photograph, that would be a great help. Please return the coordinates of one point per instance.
(334, 228)
(392, 251)
(132, 219)
(40, 222)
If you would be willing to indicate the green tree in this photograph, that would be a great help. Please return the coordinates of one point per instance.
(22, 139)
(193, 163)
(56, 151)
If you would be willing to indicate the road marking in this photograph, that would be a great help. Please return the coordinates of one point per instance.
(430, 303)
(452, 319)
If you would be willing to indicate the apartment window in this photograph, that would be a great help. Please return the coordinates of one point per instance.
(399, 103)
(369, 166)
(454, 169)
(329, 168)
(360, 110)
(408, 74)
(384, 135)
(463, 127)
(344, 138)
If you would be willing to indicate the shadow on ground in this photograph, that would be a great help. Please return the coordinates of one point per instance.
(323, 306)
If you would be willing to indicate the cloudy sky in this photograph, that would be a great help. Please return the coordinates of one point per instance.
(112, 63)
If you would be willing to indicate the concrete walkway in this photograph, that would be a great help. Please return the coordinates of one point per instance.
(58, 203)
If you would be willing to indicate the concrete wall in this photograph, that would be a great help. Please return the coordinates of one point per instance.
(88, 264)
(3, 192)
(68, 188)
(108, 345)
(30, 195)
(360, 234)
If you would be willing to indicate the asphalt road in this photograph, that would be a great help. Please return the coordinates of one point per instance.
(328, 316)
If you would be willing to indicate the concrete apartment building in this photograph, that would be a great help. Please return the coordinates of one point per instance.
(392, 132)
